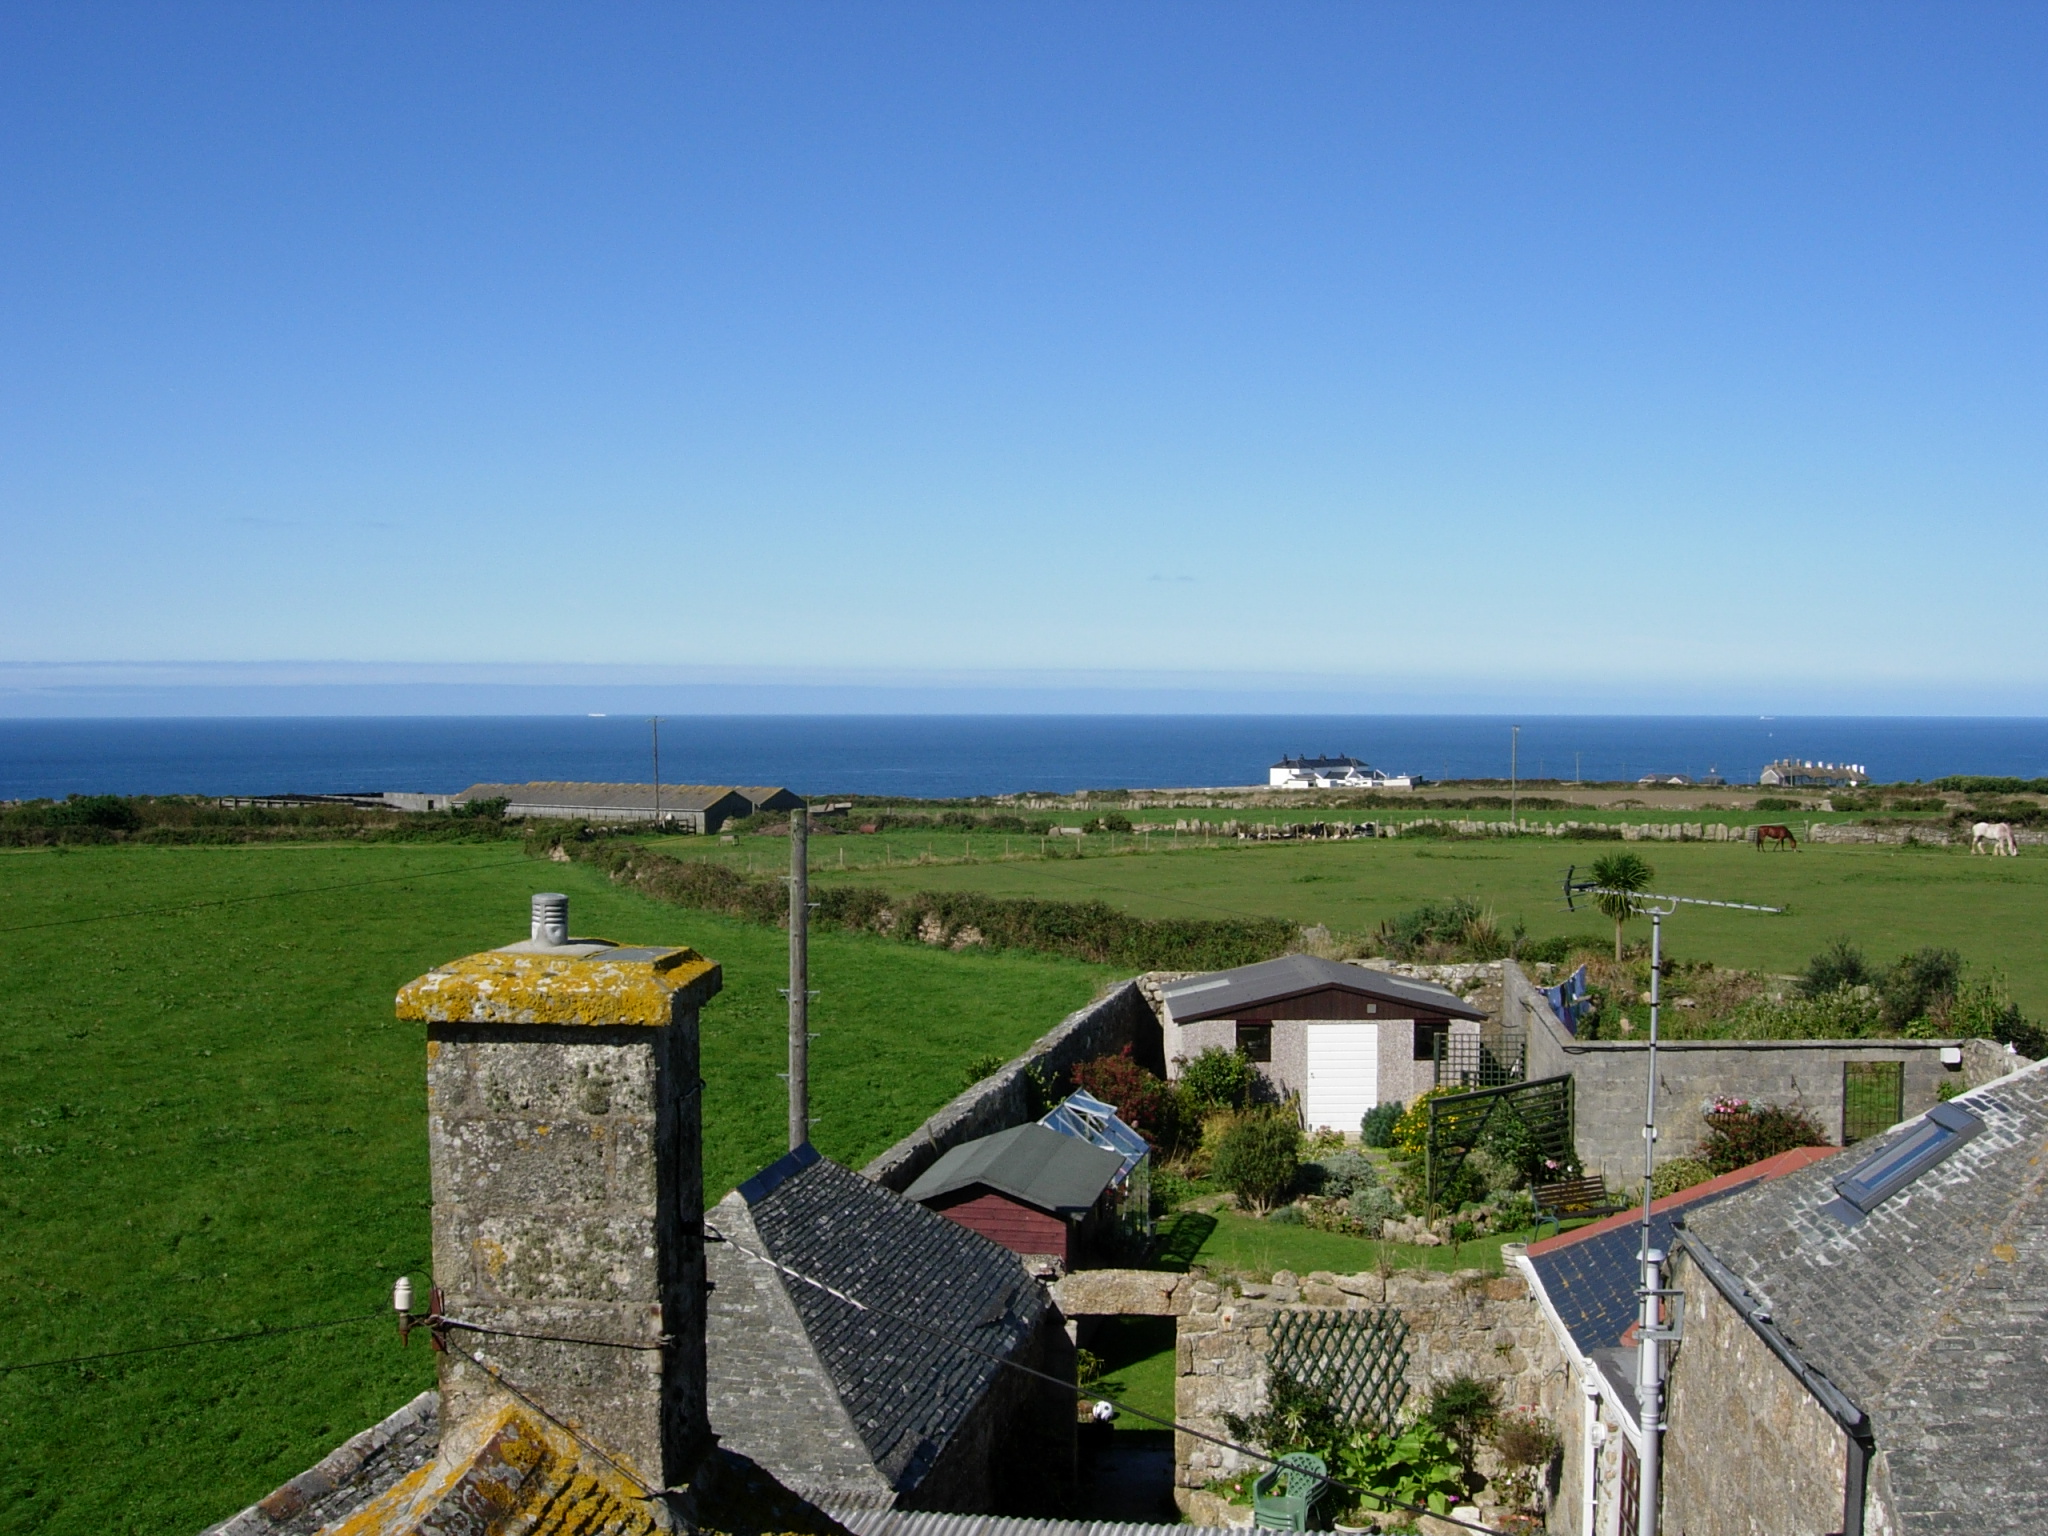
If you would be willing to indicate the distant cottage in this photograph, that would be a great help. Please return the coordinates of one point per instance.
(1332, 773)
(1791, 773)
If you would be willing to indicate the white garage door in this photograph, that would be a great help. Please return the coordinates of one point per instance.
(1343, 1075)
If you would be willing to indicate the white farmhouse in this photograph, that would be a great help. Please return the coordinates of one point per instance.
(1332, 773)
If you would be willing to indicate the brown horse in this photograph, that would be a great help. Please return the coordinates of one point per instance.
(1779, 835)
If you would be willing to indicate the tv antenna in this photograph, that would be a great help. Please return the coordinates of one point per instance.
(1652, 1329)
(1638, 898)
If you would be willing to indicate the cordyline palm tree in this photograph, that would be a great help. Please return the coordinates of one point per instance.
(1623, 875)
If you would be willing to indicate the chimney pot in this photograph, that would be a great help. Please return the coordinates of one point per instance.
(551, 918)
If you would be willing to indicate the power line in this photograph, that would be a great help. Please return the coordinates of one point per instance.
(961, 1342)
(224, 1338)
(236, 901)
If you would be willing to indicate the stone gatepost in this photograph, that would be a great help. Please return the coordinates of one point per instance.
(564, 1114)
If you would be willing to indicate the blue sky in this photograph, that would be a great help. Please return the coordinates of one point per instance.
(1564, 357)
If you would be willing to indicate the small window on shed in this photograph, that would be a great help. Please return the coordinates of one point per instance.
(1256, 1041)
(1426, 1033)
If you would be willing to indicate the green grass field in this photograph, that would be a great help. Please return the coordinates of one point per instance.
(1137, 1363)
(210, 1122)
(1888, 899)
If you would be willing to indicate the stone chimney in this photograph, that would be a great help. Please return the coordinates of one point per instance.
(565, 1114)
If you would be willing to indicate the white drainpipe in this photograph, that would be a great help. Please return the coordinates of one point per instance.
(1590, 1440)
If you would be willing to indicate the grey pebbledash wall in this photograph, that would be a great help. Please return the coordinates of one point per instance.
(1118, 1018)
(1608, 1079)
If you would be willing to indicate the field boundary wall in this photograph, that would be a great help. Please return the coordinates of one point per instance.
(1007, 1097)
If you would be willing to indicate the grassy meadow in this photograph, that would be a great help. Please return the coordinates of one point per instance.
(1888, 899)
(210, 1122)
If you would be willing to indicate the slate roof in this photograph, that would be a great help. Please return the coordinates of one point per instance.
(1031, 1163)
(604, 797)
(1590, 1274)
(1224, 994)
(1931, 1314)
(898, 1368)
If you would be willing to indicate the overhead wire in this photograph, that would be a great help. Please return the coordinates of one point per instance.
(963, 1343)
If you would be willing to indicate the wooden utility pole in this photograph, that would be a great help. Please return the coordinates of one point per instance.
(1514, 752)
(655, 724)
(799, 976)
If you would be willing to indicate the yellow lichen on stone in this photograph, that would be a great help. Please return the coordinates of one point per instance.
(526, 1475)
(502, 987)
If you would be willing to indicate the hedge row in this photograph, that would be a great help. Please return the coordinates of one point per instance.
(1078, 930)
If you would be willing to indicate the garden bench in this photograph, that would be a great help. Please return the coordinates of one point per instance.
(1572, 1200)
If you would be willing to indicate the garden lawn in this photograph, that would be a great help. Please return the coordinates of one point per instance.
(1137, 1355)
(1229, 1242)
(211, 1122)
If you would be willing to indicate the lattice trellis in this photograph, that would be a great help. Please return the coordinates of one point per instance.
(1358, 1360)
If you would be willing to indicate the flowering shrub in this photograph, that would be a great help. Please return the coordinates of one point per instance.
(1143, 1102)
(1739, 1133)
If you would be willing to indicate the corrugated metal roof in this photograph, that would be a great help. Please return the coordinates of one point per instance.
(1220, 994)
(864, 1521)
(1031, 1163)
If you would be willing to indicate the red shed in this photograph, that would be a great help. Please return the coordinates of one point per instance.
(1029, 1188)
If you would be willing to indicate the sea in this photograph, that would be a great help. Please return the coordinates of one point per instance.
(944, 756)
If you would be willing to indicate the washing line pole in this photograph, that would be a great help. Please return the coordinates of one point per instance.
(654, 723)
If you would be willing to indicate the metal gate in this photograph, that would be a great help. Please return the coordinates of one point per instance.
(1537, 1116)
(1873, 1098)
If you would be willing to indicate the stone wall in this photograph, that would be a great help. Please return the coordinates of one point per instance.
(1608, 1079)
(1464, 1323)
(1748, 1451)
(1119, 1018)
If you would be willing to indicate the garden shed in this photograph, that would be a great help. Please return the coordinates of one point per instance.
(1343, 1037)
(1029, 1188)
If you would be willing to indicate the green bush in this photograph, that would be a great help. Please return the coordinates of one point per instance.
(1775, 803)
(1373, 1205)
(1258, 1159)
(1377, 1128)
(1418, 1466)
(1297, 1417)
(1677, 1174)
(1841, 964)
(1171, 1190)
(1463, 1408)
(1920, 985)
(1740, 1133)
(981, 1067)
(1338, 1174)
(1218, 1078)
(1847, 1013)
(1287, 1216)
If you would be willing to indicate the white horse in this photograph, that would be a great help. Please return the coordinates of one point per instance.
(1998, 834)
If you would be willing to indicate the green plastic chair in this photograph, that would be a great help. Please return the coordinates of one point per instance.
(1284, 1498)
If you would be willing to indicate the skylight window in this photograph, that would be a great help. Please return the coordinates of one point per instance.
(1875, 1181)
